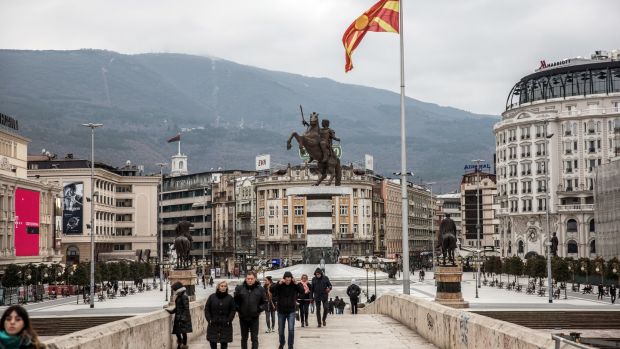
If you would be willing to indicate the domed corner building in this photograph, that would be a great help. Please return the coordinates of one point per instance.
(574, 105)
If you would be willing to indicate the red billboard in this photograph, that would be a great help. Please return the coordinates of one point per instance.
(26, 222)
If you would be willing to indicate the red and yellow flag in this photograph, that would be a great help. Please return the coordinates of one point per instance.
(382, 17)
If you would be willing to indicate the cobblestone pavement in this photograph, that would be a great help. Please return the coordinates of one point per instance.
(342, 331)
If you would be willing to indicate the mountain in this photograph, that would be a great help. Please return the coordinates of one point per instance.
(229, 113)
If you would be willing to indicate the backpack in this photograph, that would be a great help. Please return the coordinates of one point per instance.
(355, 291)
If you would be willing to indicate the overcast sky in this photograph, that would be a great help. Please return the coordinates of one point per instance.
(462, 53)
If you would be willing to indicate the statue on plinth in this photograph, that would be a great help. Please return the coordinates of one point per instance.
(447, 232)
(183, 244)
(554, 245)
(317, 142)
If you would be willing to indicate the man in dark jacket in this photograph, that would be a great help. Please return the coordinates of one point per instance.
(354, 291)
(287, 291)
(601, 291)
(320, 289)
(612, 293)
(250, 300)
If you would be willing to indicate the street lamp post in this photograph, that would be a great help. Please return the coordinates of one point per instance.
(432, 225)
(92, 127)
(161, 229)
(375, 264)
(547, 199)
(478, 161)
(404, 212)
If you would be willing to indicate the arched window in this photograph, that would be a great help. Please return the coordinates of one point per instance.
(521, 247)
(509, 247)
(73, 255)
(571, 247)
(571, 226)
(593, 246)
(180, 165)
(592, 226)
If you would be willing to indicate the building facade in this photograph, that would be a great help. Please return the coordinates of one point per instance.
(478, 199)
(281, 219)
(572, 105)
(125, 208)
(450, 204)
(607, 207)
(29, 207)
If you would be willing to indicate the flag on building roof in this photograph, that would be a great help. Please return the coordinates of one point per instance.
(382, 17)
(176, 138)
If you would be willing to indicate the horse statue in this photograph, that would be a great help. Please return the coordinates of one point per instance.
(316, 141)
(447, 232)
(183, 245)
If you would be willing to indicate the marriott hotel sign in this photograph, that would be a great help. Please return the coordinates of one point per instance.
(545, 65)
(9, 122)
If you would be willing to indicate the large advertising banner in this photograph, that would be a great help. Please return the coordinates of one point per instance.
(72, 207)
(26, 222)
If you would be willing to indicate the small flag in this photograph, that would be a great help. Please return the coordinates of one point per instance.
(382, 17)
(176, 138)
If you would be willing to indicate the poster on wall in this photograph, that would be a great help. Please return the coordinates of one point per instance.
(73, 194)
(26, 222)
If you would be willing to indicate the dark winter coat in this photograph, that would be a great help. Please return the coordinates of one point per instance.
(182, 316)
(321, 286)
(354, 291)
(305, 297)
(287, 296)
(250, 300)
(219, 313)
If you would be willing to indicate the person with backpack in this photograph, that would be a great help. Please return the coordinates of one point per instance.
(354, 291)
(321, 286)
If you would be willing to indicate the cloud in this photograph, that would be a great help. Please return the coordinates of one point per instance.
(465, 54)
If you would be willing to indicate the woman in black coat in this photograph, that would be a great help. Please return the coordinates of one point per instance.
(182, 317)
(219, 313)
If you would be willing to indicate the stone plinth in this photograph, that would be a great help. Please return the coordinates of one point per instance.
(187, 278)
(319, 244)
(448, 280)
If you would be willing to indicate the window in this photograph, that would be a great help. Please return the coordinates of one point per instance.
(344, 228)
(571, 247)
(271, 211)
(354, 228)
(272, 230)
(542, 204)
(521, 247)
(285, 230)
(285, 210)
(344, 210)
(368, 211)
(593, 246)
(299, 229)
(592, 227)
(299, 210)
(261, 212)
(571, 226)
(355, 210)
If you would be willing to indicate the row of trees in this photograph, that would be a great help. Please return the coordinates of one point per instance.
(77, 274)
(562, 269)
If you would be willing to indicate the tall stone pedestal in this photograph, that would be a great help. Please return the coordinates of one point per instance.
(319, 244)
(448, 280)
(185, 277)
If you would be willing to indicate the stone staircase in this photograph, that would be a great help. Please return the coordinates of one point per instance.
(60, 326)
(596, 320)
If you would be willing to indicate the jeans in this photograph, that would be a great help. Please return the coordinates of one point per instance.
(282, 318)
(354, 301)
(249, 325)
(270, 317)
(303, 312)
(325, 307)
(223, 345)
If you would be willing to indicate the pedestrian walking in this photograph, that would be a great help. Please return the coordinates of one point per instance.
(204, 281)
(16, 330)
(331, 306)
(219, 313)
(337, 305)
(341, 305)
(287, 291)
(601, 291)
(422, 274)
(320, 291)
(210, 281)
(182, 324)
(612, 293)
(250, 301)
(270, 308)
(354, 291)
(305, 300)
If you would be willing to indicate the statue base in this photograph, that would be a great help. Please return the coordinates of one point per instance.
(314, 255)
(188, 279)
(448, 280)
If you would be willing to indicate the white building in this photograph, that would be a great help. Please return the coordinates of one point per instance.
(450, 204)
(575, 102)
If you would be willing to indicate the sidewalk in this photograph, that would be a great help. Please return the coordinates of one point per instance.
(342, 331)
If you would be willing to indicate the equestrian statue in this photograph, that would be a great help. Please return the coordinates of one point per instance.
(317, 142)
(183, 244)
(447, 239)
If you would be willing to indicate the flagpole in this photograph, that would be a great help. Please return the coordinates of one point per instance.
(179, 145)
(403, 158)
